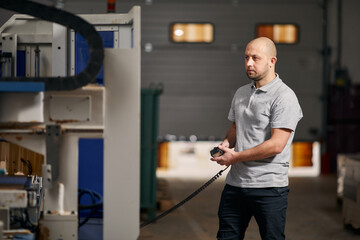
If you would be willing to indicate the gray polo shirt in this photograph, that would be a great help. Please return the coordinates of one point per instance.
(255, 112)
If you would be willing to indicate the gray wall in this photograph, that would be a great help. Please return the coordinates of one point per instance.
(350, 37)
(200, 80)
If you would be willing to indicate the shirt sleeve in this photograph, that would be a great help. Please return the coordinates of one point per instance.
(231, 115)
(286, 112)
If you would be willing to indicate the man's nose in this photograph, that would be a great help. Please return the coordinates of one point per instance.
(249, 62)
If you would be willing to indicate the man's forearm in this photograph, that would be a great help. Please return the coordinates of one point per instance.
(269, 148)
(262, 151)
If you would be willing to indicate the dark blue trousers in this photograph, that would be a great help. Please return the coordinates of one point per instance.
(238, 205)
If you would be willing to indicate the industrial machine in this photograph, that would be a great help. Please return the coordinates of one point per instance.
(41, 127)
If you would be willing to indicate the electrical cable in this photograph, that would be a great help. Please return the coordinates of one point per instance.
(185, 200)
(94, 206)
(71, 21)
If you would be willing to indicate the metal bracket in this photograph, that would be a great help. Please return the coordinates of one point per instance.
(9, 46)
(6, 64)
(53, 141)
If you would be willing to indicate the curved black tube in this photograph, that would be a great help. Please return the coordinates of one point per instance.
(191, 196)
(69, 20)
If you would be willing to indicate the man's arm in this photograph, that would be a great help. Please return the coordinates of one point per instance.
(269, 148)
(230, 139)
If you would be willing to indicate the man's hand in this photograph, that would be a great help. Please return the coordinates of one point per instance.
(224, 143)
(228, 158)
(275, 145)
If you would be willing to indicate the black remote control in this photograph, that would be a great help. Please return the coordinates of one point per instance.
(216, 152)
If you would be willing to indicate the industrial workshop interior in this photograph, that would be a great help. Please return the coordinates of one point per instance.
(109, 110)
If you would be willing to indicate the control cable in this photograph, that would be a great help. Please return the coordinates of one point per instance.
(185, 200)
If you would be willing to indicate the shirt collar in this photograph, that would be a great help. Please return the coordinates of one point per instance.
(267, 86)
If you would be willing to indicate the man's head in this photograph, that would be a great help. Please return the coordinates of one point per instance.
(260, 59)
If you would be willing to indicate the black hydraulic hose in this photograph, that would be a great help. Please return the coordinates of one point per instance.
(185, 200)
(73, 22)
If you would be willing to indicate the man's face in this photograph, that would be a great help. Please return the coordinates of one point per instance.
(256, 62)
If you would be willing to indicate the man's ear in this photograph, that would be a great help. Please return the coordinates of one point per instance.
(273, 61)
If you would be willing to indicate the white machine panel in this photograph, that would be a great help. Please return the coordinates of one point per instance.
(22, 107)
(69, 108)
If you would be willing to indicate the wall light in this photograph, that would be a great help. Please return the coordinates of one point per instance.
(192, 32)
(279, 33)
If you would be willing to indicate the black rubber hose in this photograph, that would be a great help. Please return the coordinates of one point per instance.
(71, 21)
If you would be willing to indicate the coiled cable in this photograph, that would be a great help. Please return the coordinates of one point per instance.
(185, 200)
(95, 206)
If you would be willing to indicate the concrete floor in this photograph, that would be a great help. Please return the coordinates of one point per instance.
(313, 212)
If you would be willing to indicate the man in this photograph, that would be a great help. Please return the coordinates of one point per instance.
(264, 115)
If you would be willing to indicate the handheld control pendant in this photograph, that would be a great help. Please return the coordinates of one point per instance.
(216, 152)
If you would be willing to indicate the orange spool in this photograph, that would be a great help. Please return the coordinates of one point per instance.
(163, 152)
(302, 154)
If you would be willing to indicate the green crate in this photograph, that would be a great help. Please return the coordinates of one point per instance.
(149, 148)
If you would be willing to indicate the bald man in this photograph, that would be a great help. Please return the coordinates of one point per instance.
(264, 116)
